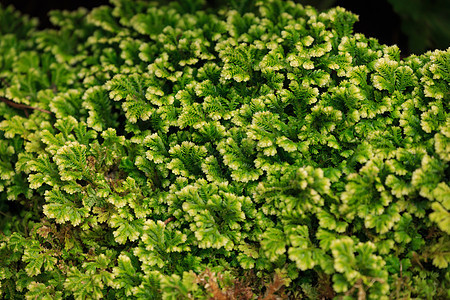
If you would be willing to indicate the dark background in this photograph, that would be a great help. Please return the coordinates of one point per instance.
(414, 25)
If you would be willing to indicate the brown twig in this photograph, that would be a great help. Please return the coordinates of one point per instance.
(6, 215)
(169, 220)
(22, 106)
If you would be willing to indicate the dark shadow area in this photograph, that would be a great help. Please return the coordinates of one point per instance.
(40, 8)
(378, 20)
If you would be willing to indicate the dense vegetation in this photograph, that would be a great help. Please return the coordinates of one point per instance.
(173, 152)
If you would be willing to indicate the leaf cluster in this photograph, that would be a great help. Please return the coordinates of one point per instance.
(164, 152)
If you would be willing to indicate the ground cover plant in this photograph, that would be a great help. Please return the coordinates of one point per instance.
(155, 151)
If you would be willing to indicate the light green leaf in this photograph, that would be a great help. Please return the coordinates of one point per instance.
(273, 243)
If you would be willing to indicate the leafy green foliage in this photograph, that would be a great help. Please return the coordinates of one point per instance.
(167, 152)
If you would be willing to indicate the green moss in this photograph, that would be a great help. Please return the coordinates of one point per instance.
(172, 152)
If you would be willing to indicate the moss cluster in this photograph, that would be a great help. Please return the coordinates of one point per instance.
(179, 152)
